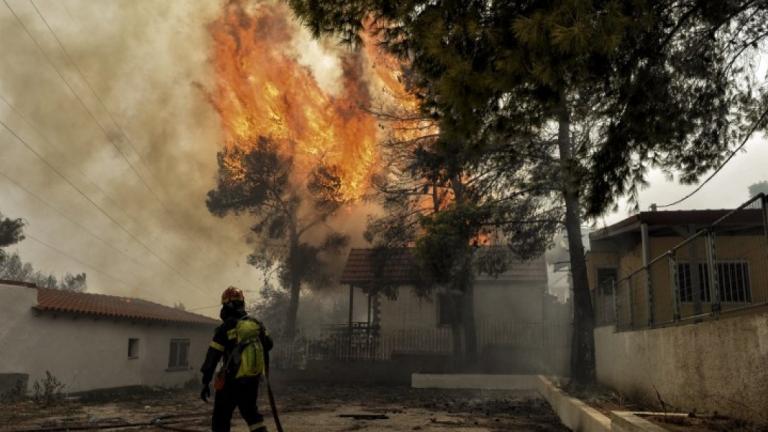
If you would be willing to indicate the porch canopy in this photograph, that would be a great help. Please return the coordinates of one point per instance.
(366, 268)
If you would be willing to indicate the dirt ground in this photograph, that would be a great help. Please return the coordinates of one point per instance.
(302, 408)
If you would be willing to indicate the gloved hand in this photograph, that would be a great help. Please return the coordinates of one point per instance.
(205, 393)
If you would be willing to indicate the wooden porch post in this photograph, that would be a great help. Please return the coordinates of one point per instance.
(351, 305)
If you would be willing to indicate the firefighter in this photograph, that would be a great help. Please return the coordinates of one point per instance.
(243, 344)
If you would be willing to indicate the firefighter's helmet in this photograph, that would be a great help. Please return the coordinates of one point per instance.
(232, 294)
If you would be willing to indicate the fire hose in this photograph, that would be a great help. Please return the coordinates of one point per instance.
(272, 404)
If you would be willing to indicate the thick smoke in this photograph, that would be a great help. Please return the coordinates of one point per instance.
(144, 62)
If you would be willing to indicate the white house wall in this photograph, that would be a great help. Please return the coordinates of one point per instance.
(87, 353)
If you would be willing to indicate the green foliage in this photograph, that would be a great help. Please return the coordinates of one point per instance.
(10, 231)
(445, 243)
(261, 182)
(652, 84)
(759, 187)
(12, 267)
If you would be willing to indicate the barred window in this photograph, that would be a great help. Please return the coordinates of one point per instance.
(732, 278)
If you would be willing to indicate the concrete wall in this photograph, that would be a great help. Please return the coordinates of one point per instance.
(86, 353)
(710, 366)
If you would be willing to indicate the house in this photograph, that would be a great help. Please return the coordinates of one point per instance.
(681, 303)
(679, 283)
(520, 327)
(93, 341)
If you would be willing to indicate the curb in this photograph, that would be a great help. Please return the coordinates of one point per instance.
(626, 421)
(574, 414)
(475, 381)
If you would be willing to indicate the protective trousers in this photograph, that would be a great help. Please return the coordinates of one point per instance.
(241, 393)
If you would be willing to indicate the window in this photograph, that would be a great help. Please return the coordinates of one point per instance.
(178, 356)
(133, 348)
(449, 311)
(606, 277)
(732, 280)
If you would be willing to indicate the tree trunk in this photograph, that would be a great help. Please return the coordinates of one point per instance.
(464, 282)
(583, 344)
(294, 288)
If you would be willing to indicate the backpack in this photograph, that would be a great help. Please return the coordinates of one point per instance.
(247, 358)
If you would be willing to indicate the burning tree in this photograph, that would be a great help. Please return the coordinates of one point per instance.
(605, 89)
(464, 215)
(259, 180)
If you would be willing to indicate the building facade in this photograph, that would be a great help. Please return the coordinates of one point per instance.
(692, 270)
(681, 304)
(91, 341)
(519, 326)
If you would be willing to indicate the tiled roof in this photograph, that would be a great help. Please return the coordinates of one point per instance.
(53, 300)
(679, 218)
(399, 267)
(534, 270)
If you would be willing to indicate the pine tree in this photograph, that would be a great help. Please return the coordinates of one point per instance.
(605, 89)
(260, 182)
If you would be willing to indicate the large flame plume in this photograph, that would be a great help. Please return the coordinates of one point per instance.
(261, 89)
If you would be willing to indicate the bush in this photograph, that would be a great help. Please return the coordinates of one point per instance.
(15, 393)
(47, 391)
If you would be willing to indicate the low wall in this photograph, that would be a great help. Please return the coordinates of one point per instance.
(711, 366)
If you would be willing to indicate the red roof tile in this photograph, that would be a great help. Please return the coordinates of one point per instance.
(399, 267)
(113, 307)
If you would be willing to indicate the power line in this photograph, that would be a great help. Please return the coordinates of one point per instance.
(728, 159)
(71, 220)
(91, 114)
(82, 173)
(78, 260)
(106, 195)
(85, 80)
(106, 110)
(124, 229)
(79, 99)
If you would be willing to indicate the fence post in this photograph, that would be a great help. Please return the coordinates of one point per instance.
(631, 291)
(675, 285)
(648, 283)
(615, 304)
(713, 277)
(763, 207)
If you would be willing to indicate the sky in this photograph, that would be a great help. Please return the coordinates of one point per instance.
(120, 148)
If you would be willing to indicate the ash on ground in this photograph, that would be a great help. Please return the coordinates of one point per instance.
(302, 408)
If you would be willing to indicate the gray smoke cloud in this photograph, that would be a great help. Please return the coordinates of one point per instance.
(141, 59)
(137, 66)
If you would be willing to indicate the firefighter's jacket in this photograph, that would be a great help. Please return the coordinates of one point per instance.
(233, 337)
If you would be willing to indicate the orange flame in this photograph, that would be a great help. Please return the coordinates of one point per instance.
(261, 89)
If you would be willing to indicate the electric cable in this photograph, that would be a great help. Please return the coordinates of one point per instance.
(112, 219)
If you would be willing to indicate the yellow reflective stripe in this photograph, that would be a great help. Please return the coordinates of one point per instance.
(256, 426)
(232, 334)
(217, 346)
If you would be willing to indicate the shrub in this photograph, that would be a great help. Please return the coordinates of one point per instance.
(47, 391)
